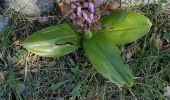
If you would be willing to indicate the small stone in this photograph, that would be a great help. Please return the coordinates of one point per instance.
(31, 7)
(4, 22)
(45, 5)
(59, 98)
(166, 91)
(23, 87)
(166, 7)
(43, 20)
(138, 2)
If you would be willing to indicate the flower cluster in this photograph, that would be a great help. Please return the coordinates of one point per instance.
(85, 14)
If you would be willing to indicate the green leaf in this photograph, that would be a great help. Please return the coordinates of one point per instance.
(124, 26)
(58, 85)
(53, 41)
(166, 36)
(107, 60)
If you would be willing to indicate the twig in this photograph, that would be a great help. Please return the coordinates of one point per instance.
(2, 76)
(132, 94)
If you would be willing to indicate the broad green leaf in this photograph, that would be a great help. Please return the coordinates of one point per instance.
(106, 58)
(53, 41)
(124, 26)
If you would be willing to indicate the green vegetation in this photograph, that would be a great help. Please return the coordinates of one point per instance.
(26, 76)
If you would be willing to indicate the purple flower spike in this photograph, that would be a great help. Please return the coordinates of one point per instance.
(85, 15)
(73, 0)
(79, 12)
(91, 7)
(85, 4)
(91, 16)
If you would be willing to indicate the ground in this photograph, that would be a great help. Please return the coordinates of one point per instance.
(26, 76)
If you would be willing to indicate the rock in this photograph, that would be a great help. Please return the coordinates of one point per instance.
(23, 88)
(132, 2)
(31, 7)
(138, 2)
(166, 7)
(166, 91)
(59, 98)
(4, 22)
(45, 5)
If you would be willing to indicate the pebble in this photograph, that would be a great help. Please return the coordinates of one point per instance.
(30, 7)
(4, 22)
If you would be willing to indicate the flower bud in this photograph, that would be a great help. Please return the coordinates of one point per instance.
(86, 14)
